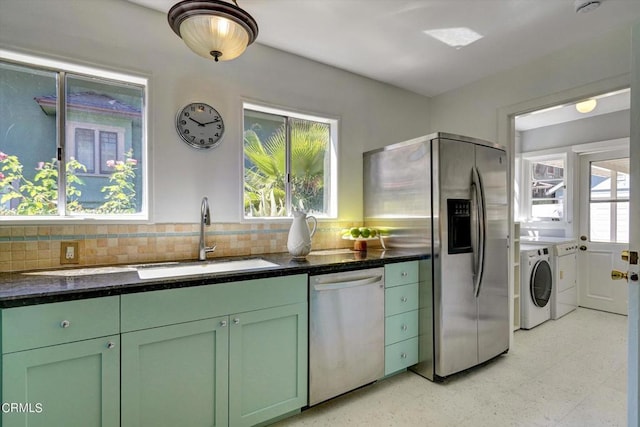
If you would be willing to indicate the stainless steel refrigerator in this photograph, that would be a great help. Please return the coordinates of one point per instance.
(448, 194)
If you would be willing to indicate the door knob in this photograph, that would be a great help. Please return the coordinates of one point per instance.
(583, 248)
(619, 275)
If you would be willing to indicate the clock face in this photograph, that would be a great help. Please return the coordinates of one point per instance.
(200, 125)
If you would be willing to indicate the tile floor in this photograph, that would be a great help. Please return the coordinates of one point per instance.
(567, 372)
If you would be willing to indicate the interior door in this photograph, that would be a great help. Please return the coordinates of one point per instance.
(604, 230)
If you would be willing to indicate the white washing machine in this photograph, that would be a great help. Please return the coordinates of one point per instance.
(564, 263)
(536, 285)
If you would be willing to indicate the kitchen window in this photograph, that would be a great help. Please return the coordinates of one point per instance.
(72, 141)
(289, 163)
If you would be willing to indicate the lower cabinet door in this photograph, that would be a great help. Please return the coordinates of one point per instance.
(267, 364)
(74, 384)
(176, 375)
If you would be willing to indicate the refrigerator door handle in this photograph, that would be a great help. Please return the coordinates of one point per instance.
(481, 218)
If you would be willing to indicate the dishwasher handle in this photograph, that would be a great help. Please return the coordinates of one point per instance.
(333, 286)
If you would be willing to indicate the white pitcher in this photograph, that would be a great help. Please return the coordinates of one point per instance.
(299, 241)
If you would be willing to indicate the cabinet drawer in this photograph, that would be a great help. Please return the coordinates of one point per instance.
(166, 307)
(400, 355)
(401, 327)
(401, 273)
(400, 299)
(49, 324)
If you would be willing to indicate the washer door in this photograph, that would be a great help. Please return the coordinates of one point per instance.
(541, 282)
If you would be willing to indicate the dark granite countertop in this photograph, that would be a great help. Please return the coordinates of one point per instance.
(24, 288)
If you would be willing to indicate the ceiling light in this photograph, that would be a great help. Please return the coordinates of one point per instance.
(584, 6)
(586, 106)
(455, 37)
(213, 28)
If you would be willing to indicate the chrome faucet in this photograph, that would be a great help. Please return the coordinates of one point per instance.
(205, 219)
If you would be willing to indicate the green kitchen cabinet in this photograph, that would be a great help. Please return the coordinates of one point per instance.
(61, 364)
(181, 368)
(267, 364)
(176, 375)
(74, 384)
(401, 316)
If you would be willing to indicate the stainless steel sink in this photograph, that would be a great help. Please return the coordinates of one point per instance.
(210, 267)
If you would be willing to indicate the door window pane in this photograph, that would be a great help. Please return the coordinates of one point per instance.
(609, 201)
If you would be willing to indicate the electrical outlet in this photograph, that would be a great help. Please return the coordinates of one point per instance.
(69, 253)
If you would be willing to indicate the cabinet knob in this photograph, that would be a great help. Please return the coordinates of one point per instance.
(403, 299)
(236, 321)
(403, 355)
(404, 327)
(111, 344)
(404, 274)
(65, 324)
(223, 323)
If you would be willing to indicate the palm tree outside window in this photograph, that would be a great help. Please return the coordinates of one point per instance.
(289, 163)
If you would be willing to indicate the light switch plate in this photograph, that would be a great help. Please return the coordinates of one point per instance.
(69, 253)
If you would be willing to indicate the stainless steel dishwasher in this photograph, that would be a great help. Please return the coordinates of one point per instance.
(346, 332)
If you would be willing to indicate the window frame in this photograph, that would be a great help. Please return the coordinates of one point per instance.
(286, 113)
(525, 208)
(62, 68)
(613, 200)
(99, 166)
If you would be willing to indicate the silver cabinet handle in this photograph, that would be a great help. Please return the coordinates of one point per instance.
(404, 274)
(236, 321)
(403, 299)
(404, 327)
(403, 355)
(65, 324)
(111, 344)
(223, 323)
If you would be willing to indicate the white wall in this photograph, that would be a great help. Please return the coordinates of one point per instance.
(121, 36)
(604, 127)
(474, 109)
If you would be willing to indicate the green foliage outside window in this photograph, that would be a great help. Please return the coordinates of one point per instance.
(40, 195)
(265, 171)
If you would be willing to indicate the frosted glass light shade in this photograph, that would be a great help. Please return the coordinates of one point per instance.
(213, 29)
(208, 34)
(586, 106)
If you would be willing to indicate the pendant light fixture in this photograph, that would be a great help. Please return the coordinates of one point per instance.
(213, 28)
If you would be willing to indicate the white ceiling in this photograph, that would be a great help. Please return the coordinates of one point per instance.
(386, 41)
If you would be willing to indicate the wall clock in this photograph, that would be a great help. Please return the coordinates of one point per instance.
(200, 125)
